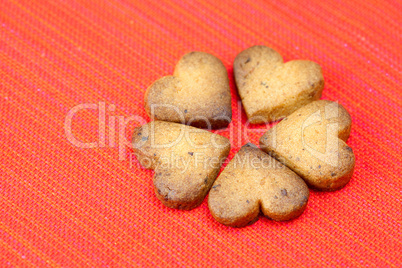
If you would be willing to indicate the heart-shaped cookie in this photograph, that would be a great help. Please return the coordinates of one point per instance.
(270, 89)
(312, 142)
(198, 93)
(186, 160)
(254, 181)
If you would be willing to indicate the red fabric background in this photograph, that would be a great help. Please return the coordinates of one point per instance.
(66, 206)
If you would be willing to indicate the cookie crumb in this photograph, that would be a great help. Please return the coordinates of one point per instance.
(284, 192)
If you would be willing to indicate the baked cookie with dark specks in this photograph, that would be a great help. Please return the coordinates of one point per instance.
(271, 89)
(254, 181)
(186, 160)
(198, 93)
(312, 142)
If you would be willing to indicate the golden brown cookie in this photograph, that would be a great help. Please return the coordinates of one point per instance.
(270, 89)
(254, 181)
(186, 160)
(312, 142)
(198, 93)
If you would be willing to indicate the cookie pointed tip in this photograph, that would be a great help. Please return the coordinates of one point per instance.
(249, 144)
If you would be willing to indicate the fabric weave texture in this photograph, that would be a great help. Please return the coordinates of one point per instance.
(65, 206)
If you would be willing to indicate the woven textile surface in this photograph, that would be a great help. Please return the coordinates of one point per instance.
(62, 205)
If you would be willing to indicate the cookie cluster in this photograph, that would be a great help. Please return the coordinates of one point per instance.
(307, 148)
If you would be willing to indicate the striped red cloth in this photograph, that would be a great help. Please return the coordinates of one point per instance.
(65, 206)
